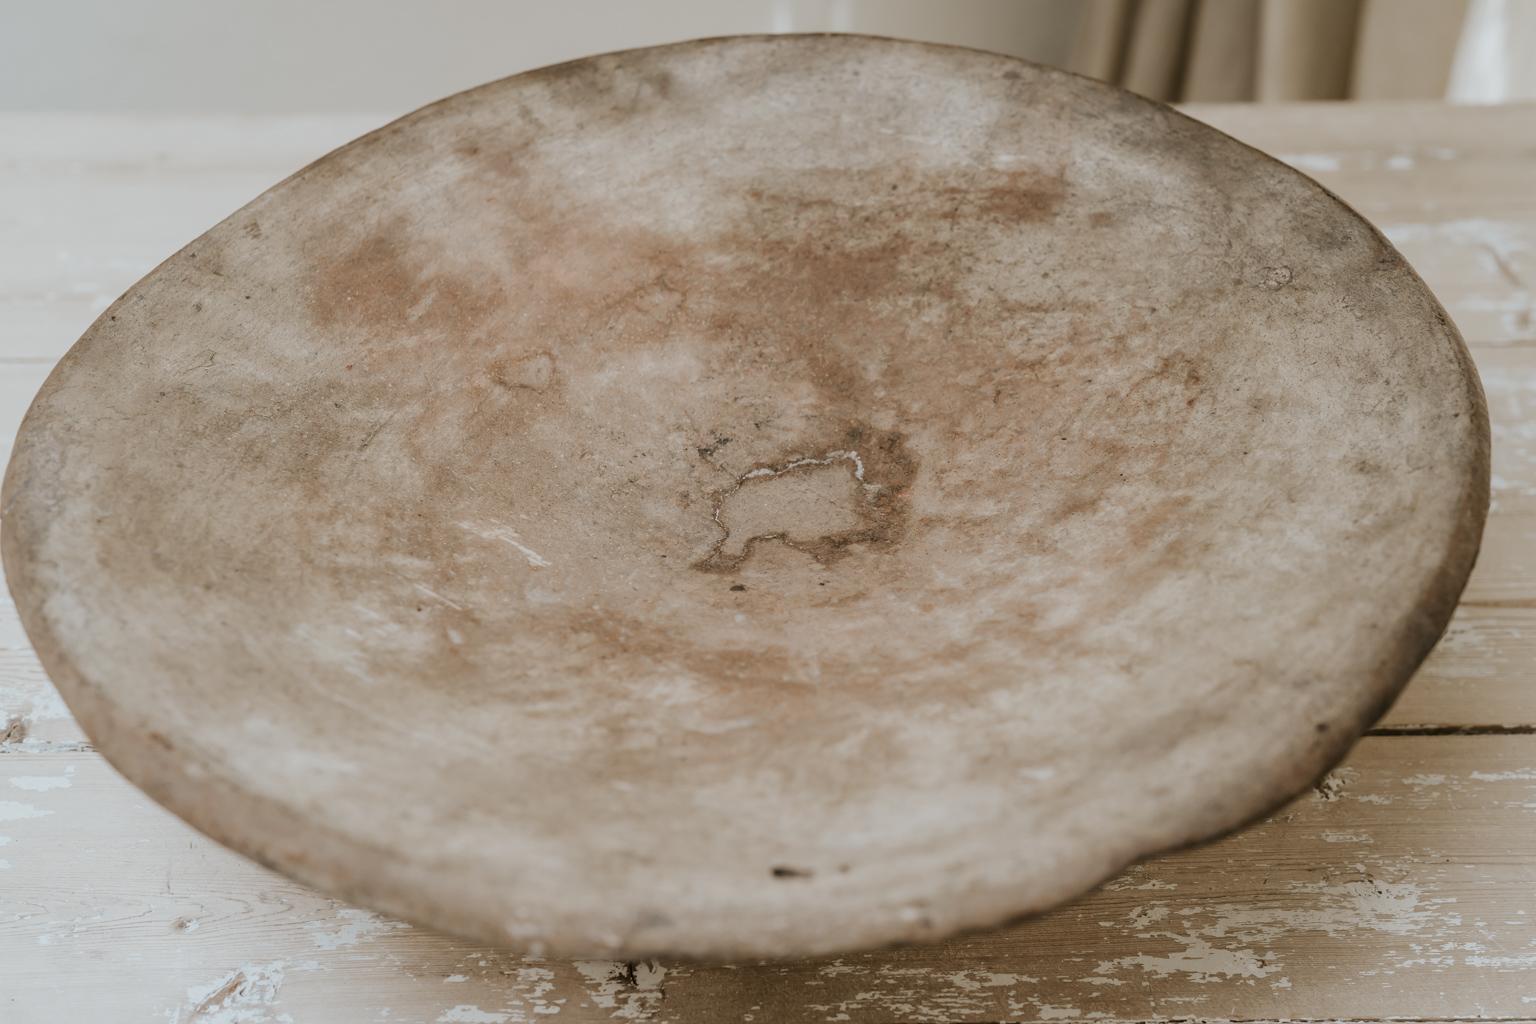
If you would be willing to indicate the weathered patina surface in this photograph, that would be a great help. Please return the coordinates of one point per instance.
(761, 496)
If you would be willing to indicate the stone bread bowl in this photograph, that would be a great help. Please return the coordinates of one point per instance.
(756, 497)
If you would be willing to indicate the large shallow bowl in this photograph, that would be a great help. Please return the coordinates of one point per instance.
(758, 496)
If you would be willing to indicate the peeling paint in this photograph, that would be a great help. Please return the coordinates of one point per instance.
(244, 996)
(11, 810)
(631, 990)
(1522, 962)
(970, 981)
(1198, 959)
(1347, 837)
(466, 1013)
(43, 783)
(1527, 775)
(26, 695)
(1334, 783)
(359, 925)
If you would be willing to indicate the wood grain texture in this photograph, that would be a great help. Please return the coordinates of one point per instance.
(1406, 893)
(1403, 887)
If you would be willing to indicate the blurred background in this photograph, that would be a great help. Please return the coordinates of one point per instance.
(291, 56)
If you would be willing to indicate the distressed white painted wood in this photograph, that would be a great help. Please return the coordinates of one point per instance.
(1406, 889)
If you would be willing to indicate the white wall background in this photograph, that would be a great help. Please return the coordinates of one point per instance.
(390, 56)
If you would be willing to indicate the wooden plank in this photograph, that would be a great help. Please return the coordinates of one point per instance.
(1405, 888)
(1481, 676)
(1509, 381)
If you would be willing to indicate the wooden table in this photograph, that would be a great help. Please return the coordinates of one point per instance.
(1404, 887)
